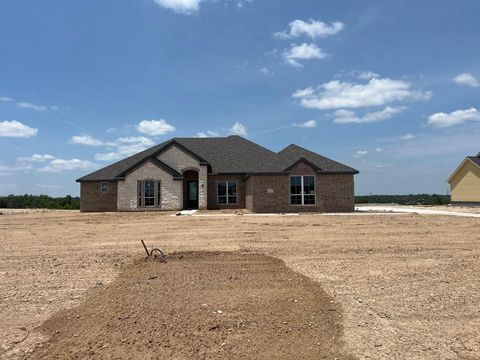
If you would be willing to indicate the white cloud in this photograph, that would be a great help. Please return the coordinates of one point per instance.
(304, 93)
(408, 136)
(379, 150)
(367, 75)
(265, 71)
(122, 147)
(127, 146)
(48, 186)
(376, 92)
(36, 158)
(16, 129)
(302, 52)
(313, 29)
(7, 187)
(180, 6)
(360, 153)
(238, 129)
(27, 105)
(306, 124)
(110, 156)
(467, 79)
(347, 116)
(89, 141)
(59, 165)
(206, 134)
(155, 127)
(457, 117)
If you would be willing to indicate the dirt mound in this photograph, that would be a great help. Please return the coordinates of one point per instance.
(200, 305)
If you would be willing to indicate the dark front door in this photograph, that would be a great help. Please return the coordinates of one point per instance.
(192, 194)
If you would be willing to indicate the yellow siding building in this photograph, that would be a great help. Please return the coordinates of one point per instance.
(465, 181)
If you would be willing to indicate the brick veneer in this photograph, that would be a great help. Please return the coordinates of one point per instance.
(334, 193)
(212, 191)
(92, 199)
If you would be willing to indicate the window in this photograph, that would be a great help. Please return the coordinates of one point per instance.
(226, 192)
(104, 187)
(149, 193)
(302, 190)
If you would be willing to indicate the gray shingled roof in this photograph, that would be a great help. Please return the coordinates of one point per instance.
(475, 159)
(232, 154)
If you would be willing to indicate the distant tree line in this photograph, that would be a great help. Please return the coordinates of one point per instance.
(39, 202)
(420, 199)
(73, 203)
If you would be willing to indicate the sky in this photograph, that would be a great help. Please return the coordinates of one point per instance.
(391, 88)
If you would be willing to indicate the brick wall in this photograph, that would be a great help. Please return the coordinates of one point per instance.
(92, 199)
(334, 193)
(212, 192)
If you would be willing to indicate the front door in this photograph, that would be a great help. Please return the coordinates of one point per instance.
(192, 194)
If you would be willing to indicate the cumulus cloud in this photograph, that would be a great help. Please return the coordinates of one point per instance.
(155, 127)
(59, 165)
(376, 92)
(89, 141)
(6, 99)
(467, 79)
(206, 134)
(457, 117)
(180, 6)
(306, 124)
(408, 136)
(36, 158)
(313, 29)
(348, 116)
(130, 145)
(302, 52)
(367, 75)
(117, 149)
(109, 156)
(238, 129)
(16, 129)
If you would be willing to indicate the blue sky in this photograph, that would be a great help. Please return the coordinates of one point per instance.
(390, 88)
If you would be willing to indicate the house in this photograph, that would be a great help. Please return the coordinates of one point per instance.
(220, 173)
(465, 181)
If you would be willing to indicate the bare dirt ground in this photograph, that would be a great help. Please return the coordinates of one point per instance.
(407, 285)
(200, 305)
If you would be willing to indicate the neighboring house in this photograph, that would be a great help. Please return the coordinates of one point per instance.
(465, 181)
(220, 173)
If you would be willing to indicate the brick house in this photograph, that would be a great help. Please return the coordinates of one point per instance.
(220, 173)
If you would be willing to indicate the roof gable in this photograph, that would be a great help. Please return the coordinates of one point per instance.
(305, 161)
(154, 161)
(473, 159)
(293, 153)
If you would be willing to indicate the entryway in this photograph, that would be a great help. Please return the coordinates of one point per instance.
(190, 189)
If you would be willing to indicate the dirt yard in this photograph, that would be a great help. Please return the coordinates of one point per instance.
(403, 286)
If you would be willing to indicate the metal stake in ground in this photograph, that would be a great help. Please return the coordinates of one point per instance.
(155, 252)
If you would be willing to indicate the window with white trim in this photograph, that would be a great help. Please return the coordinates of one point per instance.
(104, 187)
(302, 190)
(148, 193)
(226, 192)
